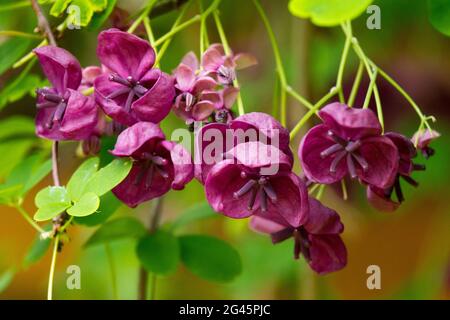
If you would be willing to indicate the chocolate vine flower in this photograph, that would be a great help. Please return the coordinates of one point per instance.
(196, 98)
(348, 142)
(159, 165)
(423, 138)
(256, 179)
(223, 67)
(89, 74)
(317, 238)
(133, 91)
(381, 198)
(63, 113)
(218, 138)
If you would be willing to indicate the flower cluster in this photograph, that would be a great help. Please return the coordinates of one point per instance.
(245, 163)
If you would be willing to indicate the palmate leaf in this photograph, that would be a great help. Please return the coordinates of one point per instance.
(109, 204)
(51, 201)
(99, 18)
(328, 13)
(86, 205)
(80, 177)
(59, 7)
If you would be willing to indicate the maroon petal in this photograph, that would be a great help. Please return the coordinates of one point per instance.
(80, 118)
(190, 59)
(184, 77)
(382, 159)
(315, 167)
(60, 67)
(133, 194)
(244, 60)
(322, 220)
(229, 96)
(89, 75)
(406, 151)
(182, 163)
(125, 53)
(350, 123)
(424, 137)
(222, 181)
(155, 105)
(327, 252)
(380, 201)
(133, 139)
(202, 110)
(213, 58)
(203, 83)
(265, 225)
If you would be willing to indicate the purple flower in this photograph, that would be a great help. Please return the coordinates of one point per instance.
(256, 179)
(217, 64)
(89, 74)
(133, 91)
(348, 142)
(159, 165)
(63, 112)
(317, 238)
(423, 138)
(254, 126)
(381, 198)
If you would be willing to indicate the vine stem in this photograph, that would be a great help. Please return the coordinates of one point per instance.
(27, 217)
(356, 84)
(55, 167)
(143, 274)
(43, 24)
(228, 52)
(340, 76)
(144, 13)
(52, 268)
(14, 33)
(112, 267)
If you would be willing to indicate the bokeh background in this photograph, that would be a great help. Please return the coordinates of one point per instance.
(411, 245)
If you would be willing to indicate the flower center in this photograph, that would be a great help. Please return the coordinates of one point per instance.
(130, 87)
(189, 101)
(53, 100)
(302, 243)
(227, 75)
(150, 165)
(345, 149)
(257, 186)
(397, 186)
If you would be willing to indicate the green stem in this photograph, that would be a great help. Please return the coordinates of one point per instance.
(299, 98)
(372, 84)
(276, 97)
(66, 224)
(311, 112)
(149, 31)
(356, 84)
(344, 189)
(342, 63)
(29, 56)
(15, 5)
(177, 29)
(320, 192)
(166, 44)
(112, 267)
(204, 41)
(52, 269)
(228, 52)
(144, 14)
(14, 33)
(27, 217)
(278, 61)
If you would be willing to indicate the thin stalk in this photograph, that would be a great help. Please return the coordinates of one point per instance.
(276, 97)
(342, 63)
(320, 192)
(14, 33)
(373, 80)
(144, 14)
(29, 56)
(313, 189)
(356, 84)
(204, 40)
(27, 217)
(344, 189)
(43, 24)
(55, 168)
(148, 29)
(278, 61)
(177, 29)
(299, 98)
(112, 267)
(52, 269)
(153, 226)
(66, 224)
(311, 112)
(228, 52)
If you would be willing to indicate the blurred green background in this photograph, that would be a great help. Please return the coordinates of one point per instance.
(411, 245)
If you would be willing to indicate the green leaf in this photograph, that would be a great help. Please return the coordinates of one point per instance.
(87, 205)
(59, 7)
(51, 201)
(37, 251)
(197, 212)
(12, 152)
(7, 193)
(37, 175)
(86, 12)
(6, 278)
(210, 258)
(11, 51)
(117, 229)
(80, 177)
(159, 252)
(439, 15)
(108, 177)
(16, 126)
(108, 205)
(328, 13)
(99, 18)
(98, 5)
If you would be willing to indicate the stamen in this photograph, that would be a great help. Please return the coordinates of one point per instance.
(149, 177)
(142, 172)
(129, 101)
(243, 174)
(162, 172)
(119, 79)
(297, 244)
(361, 161)
(263, 200)
(410, 180)
(336, 138)
(398, 191)
(44, 105)
(117, 93)
(59, 112)
(246, 188)
(251, 201)
(268, 189)
(351, 166)
(336, 161)
(428, 152)
(160, 161)
(352, 146)
(190, 101)
(52, 97)
(140, 90)
(418, 167)
(330, 150)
